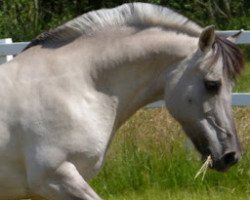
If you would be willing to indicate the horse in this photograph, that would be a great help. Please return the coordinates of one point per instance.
(64, 97)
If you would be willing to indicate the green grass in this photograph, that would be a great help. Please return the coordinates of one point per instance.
(243, 84)
(149, 159)
(183, 194)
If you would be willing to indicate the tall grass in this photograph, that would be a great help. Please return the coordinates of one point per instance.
(150, 158)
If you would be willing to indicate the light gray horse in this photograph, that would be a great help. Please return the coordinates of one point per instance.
(65, 95)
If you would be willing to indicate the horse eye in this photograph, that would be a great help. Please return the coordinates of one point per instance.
(212, 86)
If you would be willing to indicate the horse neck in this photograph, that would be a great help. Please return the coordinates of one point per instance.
(133, 70)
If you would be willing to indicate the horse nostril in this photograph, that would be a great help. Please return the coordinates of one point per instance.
(230, 158)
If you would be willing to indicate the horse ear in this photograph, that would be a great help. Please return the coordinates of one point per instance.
(207, 38)
(234, 38)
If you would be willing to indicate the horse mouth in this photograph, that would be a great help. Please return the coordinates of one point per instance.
(223, 163)
(222, 157)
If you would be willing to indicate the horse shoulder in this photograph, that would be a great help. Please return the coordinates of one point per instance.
(64, 122)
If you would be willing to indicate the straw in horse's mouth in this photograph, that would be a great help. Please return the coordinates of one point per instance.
(208, 163)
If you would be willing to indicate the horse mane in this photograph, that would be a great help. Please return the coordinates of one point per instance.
(130, 15)
(232, 57)
(138, 15)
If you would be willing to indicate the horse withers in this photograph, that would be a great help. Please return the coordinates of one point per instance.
(67, 93)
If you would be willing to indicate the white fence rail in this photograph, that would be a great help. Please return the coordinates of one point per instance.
(238, 99)
(244, 37)
(8, 49)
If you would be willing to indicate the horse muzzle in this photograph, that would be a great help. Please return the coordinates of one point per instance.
(226, 161)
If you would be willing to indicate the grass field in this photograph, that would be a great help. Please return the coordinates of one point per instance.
(151, 159)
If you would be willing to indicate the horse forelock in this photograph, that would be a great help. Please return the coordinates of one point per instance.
(130, 15)
(232, 57)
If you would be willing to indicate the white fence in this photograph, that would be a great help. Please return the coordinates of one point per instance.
(8, 49)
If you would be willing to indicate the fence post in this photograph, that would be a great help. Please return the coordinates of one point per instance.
(5, 58)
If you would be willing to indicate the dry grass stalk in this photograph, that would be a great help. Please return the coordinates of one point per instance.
(204, 168)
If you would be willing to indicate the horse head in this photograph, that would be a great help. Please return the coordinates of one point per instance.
(198, 94)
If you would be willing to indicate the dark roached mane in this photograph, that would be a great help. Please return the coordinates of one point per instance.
(232, 57)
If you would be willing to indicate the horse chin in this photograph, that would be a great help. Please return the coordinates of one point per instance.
(220, 168)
